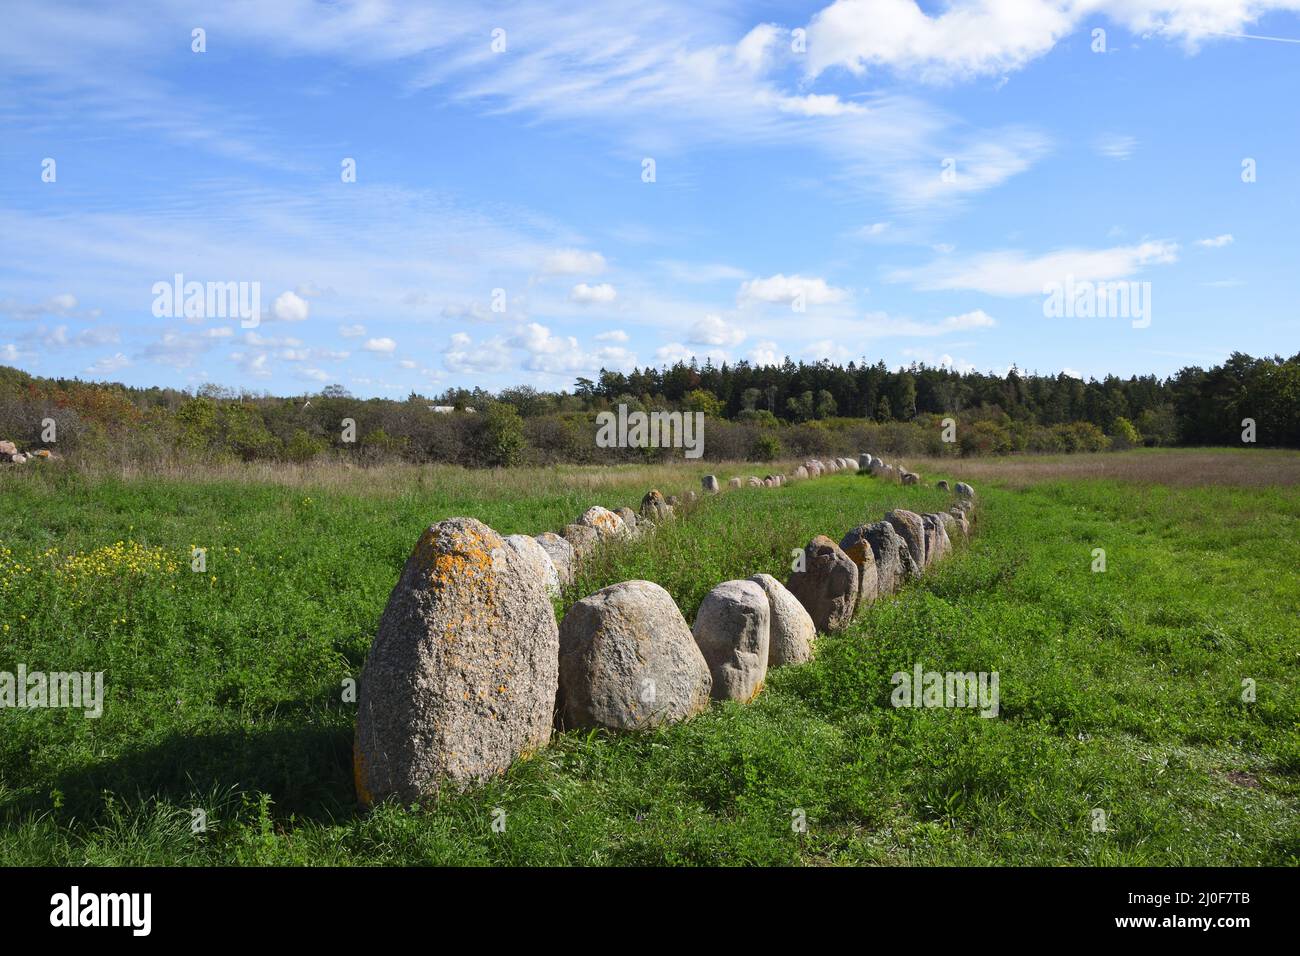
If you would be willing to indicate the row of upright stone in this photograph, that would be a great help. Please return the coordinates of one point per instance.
(470, 669)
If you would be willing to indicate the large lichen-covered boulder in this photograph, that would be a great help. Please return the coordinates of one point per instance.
(710, 484)
(733, 630)
(654, 506)
(607, 524)
(537, 560)
(911, 529)
(584, 539)
(628, 661)
(461, 678)
(894, 564)
(827, 586)
(858, 548)
(562, 555)
(937, 544)
(792, 631)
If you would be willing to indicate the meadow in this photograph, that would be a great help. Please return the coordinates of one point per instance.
(1121, 691)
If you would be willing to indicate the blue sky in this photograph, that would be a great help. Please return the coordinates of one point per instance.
(799, 204)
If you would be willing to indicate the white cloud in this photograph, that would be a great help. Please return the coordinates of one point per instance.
(290, 307)
(965, 39)
(1218, 242)
(782, 288)
(382, 346)
(464, 356)
(602, 294)
(565, 262)
(700, 272)
(714, 330)
(562, 355)
(1014, 273)
(613, 335)
(1071, 373)
(407, 363)
(111, 363)
(352, 331)
(9, 353)
(1115, 145)
(766, 353)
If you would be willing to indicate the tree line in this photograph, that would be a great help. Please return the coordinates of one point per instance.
(753, 412)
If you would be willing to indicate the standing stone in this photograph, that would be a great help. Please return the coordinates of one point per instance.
(911, 528)
(864, 461)
(827, 587)
(850, 464)
(537, 560)
(937, 544)
(673, 501)
(858, 548)
(734, 483)
(801, 472)
(8, 448)
(607, 524)
(562, 555)
(583, 538)
(792, 629)
(628, 661)
(965, 490)
(629, 520)
(910, 478)
(959, 518)
(654, 506)
(894, 564)
(942, 485)
(710, 484)
(461, 678)
(733, 630)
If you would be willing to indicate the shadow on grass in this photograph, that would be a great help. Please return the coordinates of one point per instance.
(306, 769)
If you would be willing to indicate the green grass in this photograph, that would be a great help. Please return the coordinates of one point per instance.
(1119, 691)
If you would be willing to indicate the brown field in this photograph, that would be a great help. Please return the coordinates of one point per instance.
(1236, 467)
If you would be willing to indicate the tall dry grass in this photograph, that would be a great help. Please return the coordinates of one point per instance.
(1178, 467)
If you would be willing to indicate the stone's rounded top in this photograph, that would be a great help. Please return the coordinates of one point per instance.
(606, 523)
(456, 549)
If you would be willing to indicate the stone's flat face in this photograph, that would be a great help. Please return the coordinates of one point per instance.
(461, 678)
(710, 483)
(733, 631)
(561, 554)
(537, 560)
(858, 548)
(628, 661)
(828, 585)
(911, 529)
(792, 631)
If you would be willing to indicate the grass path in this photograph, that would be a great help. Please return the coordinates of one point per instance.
(1120, 691)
